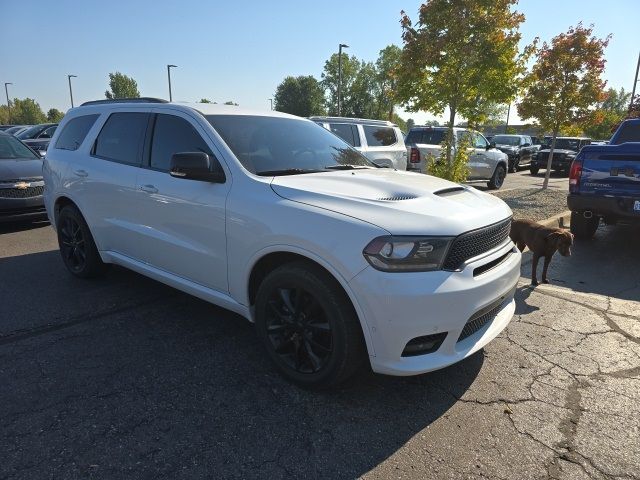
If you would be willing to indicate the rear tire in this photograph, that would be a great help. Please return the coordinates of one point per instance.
(77, 248)
(513, 167)
(498, 178)
(584, 228)
(308, 326)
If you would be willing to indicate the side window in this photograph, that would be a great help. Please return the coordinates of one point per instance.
(347, 132)
(379, 136)
(75, 131)
(121, 137)
(173, 134)
(464, 136)
(48, 132)
(479, 141)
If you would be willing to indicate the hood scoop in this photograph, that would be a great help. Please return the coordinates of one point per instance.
(397, 198)
(446, 192)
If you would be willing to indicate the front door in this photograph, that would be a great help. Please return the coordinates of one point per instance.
(184, 219)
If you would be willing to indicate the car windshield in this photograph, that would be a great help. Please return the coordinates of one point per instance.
(426, 136)
(29, 132)
(284, 146)
(567, 143)
(506, 140)
(11, 148)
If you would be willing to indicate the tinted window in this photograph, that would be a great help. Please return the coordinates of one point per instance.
(379, 136)
(174, 135)
(11, 148)
(349, 133)
(479, 141)
(510, 140)
(428, 137)
(48, 132)
(284, 145)
(629, 132)
(30, 132)
(75, 131)
(121, 137)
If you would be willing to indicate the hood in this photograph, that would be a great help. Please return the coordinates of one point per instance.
(20, 169)
(403, 203)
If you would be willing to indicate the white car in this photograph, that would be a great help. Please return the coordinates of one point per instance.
(275, 218)
(380, 141)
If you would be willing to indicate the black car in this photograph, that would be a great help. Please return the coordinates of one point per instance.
(519, 149)
(21, 182)
(38, 136)
(565, 151)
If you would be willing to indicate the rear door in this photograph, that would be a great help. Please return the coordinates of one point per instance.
(384, 146)
(480, 161)
(184, 219)
(347, 132)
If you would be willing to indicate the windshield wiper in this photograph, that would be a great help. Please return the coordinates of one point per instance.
(344, 167)
(286, 171)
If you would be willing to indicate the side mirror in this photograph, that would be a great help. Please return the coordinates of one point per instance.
(491, 145)
(194, 166)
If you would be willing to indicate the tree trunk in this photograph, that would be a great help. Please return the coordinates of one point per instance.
(547, 174)
(450, 135)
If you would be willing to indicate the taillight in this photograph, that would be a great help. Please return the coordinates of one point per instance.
(575, 173)
(414, 156)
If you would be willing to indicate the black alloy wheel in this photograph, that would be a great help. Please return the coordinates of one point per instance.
(498, 178)
(72, 244)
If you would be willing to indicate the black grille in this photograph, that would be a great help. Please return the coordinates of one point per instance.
(476, 324)
(476, 242)
(21, 192)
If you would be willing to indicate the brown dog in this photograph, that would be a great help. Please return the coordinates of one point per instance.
(542, 241)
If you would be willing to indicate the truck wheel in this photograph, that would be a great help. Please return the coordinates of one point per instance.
(583, 228)
(513, 166)
(534, 170)
(498, 178)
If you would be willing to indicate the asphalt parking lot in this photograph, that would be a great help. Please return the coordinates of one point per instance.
(123, 377)
(523, 180)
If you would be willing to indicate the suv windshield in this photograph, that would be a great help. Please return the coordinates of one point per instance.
(427, 136)
(567, 144)
(284, 146)
(506, 140)
(11, 148)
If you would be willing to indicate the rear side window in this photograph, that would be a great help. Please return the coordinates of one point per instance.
(75, 132)
(347, 132)
(629, 132)
(379, 136)
(121, 137)
(428, 137)
(48, 132)
(173, 134)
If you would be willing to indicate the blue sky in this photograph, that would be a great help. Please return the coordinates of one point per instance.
(239, 50)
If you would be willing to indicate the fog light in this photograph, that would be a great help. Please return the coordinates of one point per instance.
(424, 345)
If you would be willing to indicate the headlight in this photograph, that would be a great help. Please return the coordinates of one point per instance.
(407, 254)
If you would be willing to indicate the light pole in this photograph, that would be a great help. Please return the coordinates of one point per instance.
(506, 125)
(340, 47)
(270, 102)
(169, 67)
(635, 82)
(6, 91)
(69, 77)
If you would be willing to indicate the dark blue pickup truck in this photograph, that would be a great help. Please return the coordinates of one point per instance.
(604, 182)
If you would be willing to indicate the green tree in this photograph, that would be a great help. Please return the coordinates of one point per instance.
(350, 69)
(302, 96)
(27, 112)
(410, 123)
(4, 115)
(459, 52)
(54, 115)
(565, 83)
(401, 122)
(608, 114)
(205, 100)
(387, 67)
(122, 86)
(231, 102)
(363, 93)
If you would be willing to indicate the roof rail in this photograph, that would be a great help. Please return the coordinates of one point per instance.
(351, 120)
(125, 100)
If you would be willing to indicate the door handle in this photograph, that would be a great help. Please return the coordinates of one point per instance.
(81, 173)
(148, 188)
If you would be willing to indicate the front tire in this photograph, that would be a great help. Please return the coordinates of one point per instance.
(308, 326)
(534, 170)
(77, 248)
(498, 178)
(584, 228)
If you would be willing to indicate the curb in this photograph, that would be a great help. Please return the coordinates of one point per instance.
(565, 217)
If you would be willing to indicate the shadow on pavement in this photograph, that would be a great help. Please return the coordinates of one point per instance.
(123, 376)
(12, 227)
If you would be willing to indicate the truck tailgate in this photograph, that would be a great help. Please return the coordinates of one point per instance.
(611, 170)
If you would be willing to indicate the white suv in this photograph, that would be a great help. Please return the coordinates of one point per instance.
(275, 218)
(380, 141)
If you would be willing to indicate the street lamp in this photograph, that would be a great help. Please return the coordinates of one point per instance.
(506, 125)
(270, 102)
(169, 67)
(6, 91)
(635, 82)
(69, 77)
(340, 47)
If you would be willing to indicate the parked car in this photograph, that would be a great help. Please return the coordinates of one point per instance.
(5, 127)
(17, 129)
(38, 136)
(380, 141)
(284, 223)
(485, 162)
(604, 182)
(21, 183)
(519, 149)
(565, 151)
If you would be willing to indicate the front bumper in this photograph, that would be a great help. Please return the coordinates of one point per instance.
(400, 307)
(612, 207)
(17, 209)
(556, 164)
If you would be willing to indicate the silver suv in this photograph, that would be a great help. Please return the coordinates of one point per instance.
(380, 141)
